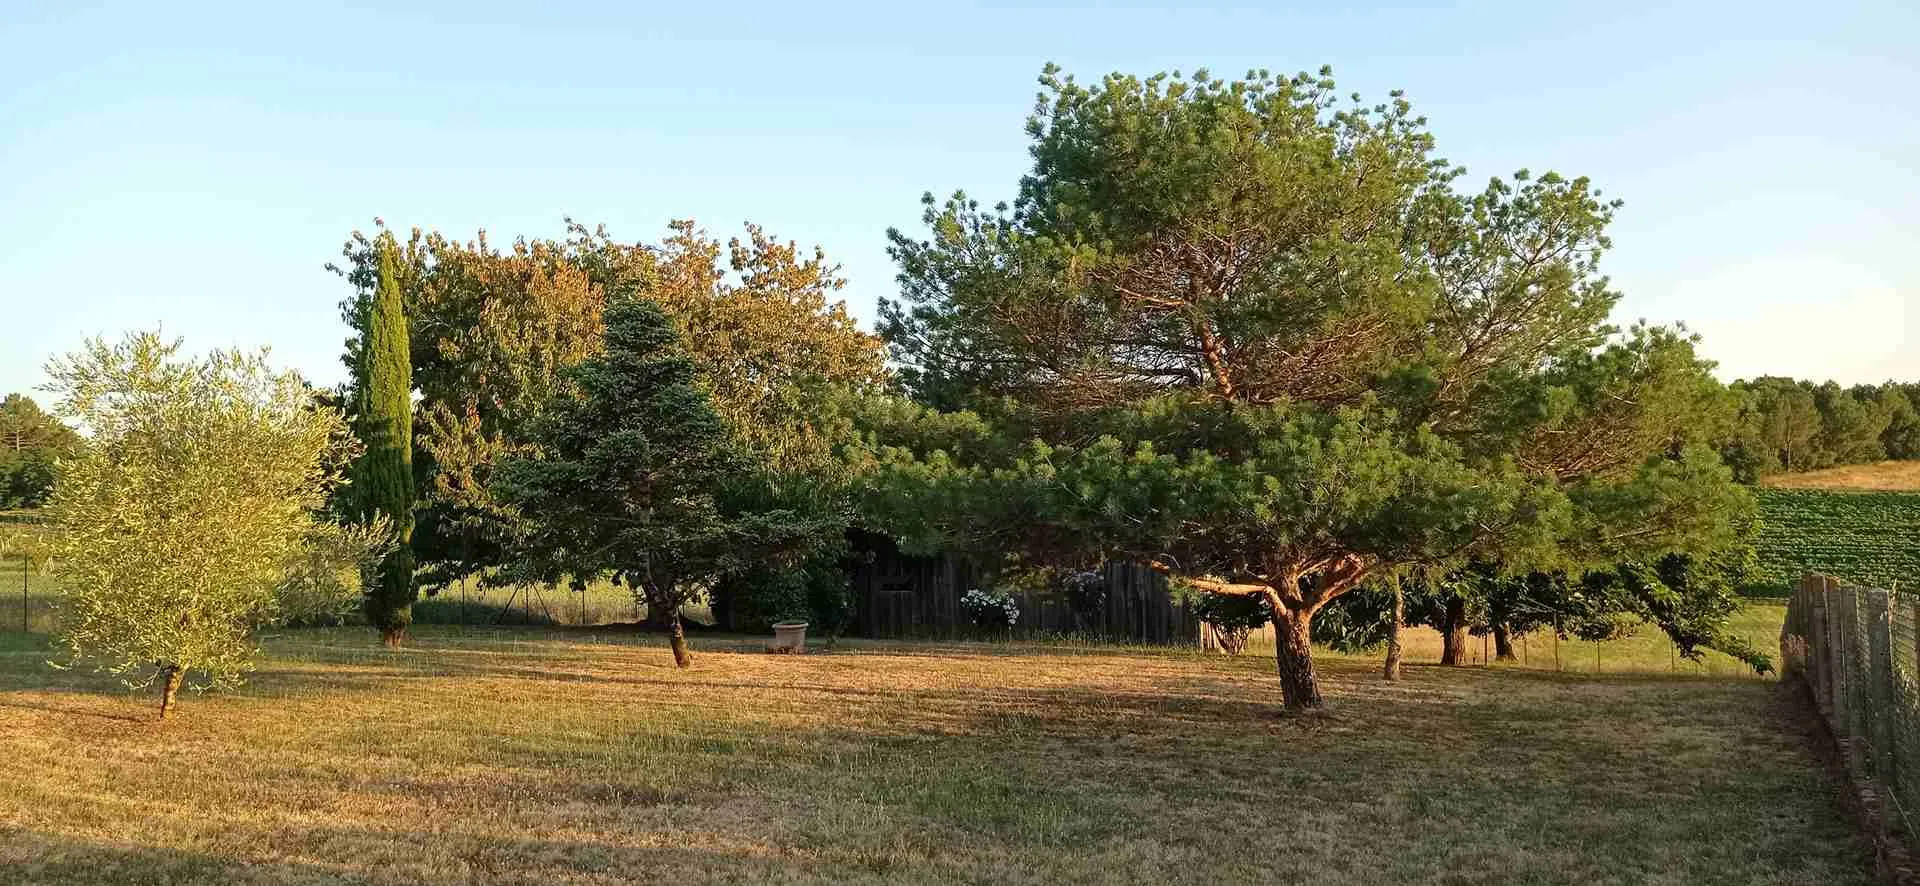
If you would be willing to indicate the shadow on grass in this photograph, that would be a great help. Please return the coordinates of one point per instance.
(942, 774)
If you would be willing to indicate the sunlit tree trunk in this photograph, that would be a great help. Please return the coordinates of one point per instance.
(1391, 669)
(677, 638)
(1293, 654)
(171, 677)
(1502, 642)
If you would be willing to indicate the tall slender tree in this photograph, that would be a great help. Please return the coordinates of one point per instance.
(384, 476)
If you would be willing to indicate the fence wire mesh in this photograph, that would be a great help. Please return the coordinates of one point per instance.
(1856, 650)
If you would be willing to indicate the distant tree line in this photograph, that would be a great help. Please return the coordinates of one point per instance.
(1789, 425)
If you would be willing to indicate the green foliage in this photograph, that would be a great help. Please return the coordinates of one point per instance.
(494, 331)
(30, 442)
(1233, 617)
(336, 567)
(638, 478)
(1690, 597)
(814, 591)
(383, 479)
(186, 520)
(1787, 425)
(1866, 538)
(1256, 335)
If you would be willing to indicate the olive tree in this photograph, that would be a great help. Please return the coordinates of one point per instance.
(186, 519)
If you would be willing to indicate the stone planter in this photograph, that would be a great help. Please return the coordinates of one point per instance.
(789, 637)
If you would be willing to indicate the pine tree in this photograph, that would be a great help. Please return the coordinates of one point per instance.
(384, 478)
(638, 477)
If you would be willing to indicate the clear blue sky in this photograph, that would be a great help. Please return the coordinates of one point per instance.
(194, 168)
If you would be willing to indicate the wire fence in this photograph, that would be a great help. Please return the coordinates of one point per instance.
(1855, 649)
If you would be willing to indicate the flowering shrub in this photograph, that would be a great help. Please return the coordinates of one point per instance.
(990, 608)
(1086, 593)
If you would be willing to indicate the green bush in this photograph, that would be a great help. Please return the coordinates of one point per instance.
(1233, 617)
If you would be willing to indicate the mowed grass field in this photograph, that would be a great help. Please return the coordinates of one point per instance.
(544, 756)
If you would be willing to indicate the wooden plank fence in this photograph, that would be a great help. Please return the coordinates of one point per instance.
(1856, 651)
(897, 596)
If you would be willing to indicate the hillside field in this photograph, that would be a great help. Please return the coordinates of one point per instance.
(592, 760)
(1885, 476)
(1869, 538)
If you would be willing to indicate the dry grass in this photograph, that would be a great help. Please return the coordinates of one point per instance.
(1886, 476)
(541, 757)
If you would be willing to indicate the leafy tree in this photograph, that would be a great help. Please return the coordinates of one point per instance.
(383, 479)
(1789, 425)
(634, 478)
(1255, 336)
(30, 442)
(1901, 439)
(1850, 428)
(1233, 617)
(1788, 422)
(186, 521)
(493, 331)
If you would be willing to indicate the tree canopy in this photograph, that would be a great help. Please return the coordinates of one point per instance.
(1253, 334)
(30, 442)
(1787, 425)
(187, 519)
(634, 476)
(494, 330)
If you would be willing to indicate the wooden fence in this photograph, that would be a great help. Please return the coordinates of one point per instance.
(1855, 650)
(898, 596)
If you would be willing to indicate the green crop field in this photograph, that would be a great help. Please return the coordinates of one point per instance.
(1871, 538)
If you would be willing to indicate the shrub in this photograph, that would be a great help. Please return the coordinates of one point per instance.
(990, 609)
(1086, 593)
(1233, 617)
(815, 592)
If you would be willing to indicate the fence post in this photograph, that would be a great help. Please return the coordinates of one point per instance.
(1843, 700)
(1879, 712)
(1819, 651)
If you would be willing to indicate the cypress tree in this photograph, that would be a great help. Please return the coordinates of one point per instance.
(385, 473)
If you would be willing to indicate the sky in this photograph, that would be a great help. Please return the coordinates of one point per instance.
(193, 167)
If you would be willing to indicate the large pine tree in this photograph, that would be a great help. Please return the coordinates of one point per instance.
(1255, 335)
(638, 479)
(384, 476)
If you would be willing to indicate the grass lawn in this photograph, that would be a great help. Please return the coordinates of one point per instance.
(537, 756)
(36, 601)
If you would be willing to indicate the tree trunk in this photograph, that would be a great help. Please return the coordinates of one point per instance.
(171, 677)
(1293, 653)
(677, 638)
(1453, 633)
(1502, 642)
(1391, 669)
(393, 637)
(660, 616)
